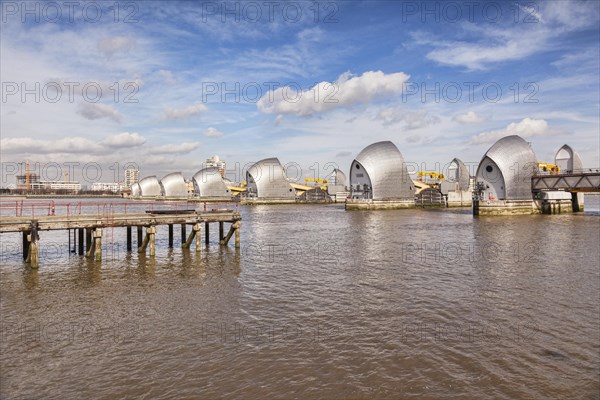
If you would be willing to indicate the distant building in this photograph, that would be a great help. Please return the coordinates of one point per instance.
(215, 161)
(35, 184)
(131, 176)
(105, 187)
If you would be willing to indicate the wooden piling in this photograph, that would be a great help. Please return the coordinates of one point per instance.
(183, 234)
(25, 245)
(139, 236)
(238, 225)
(98, 244)
(151, 233)
(221, 233)
(33, 249)
(142, 247)
(170, 236)
(129, 240)
(206, 233)
(197, 229)
(80, 234)
(229, 234)
(88, 241)
(188, 242)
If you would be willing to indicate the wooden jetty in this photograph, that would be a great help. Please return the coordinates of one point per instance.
(89, 226)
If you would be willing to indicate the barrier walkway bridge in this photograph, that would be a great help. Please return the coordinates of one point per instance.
(585, 180)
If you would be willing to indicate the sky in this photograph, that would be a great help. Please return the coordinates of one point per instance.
(90, 88)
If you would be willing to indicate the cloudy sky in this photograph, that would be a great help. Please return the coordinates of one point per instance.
(165, 85)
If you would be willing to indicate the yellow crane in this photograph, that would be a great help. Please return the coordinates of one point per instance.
(436, 176)
(546, 167)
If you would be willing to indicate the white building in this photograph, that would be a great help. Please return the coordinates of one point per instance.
(105, 187)
(131, 176)
(215, 161)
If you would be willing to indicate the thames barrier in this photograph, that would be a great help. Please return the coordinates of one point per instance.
(509, 180)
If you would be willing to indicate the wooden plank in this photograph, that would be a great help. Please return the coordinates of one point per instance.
(21, 224)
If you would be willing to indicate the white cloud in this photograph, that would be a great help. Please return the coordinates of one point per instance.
(111, 45)
(470, 117)
(526, 128)
(278, 120)
(411, 119)
(167, 76)
(181, 148)
(72, 145)
(94, 111)
(534, 32)
(213, 133)
(75, 145)
(346, 91)
(171, 114)
(124, 139)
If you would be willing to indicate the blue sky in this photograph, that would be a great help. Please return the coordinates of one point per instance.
(251, 80)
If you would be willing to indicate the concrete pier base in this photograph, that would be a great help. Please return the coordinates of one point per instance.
(362, 204)
(459, 199)
(555, 206)
(505, 207)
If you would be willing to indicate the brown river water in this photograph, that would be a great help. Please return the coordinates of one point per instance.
(319, 303)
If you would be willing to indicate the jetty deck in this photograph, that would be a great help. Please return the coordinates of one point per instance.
(88, 220)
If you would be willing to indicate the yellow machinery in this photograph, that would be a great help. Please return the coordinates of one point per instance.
(549, 168)
(236, 190)
(317, 180)
(432, 175)
(419, 186)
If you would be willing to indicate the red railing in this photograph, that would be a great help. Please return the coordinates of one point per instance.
(47, 208)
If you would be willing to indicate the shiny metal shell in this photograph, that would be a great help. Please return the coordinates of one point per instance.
(150, 187)
(567, 159)
(462, 174)
(174, 185)
(339, 176)
(136, 191)
(386, 172)
(516, 162)
(266, 179)
(208, 182)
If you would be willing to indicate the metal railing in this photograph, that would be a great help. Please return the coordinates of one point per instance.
(35, 208)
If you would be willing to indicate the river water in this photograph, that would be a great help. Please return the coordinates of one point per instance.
(318, 303)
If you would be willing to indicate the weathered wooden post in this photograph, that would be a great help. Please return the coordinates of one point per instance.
(129, 240)
(238, 225)
(80, 241)
(206, 233)
(221, 237)
(25, 245)
(88, 241)
(183, 234)
(170, 235)
(139, 237)
(33, 250)
(98, 244)
(197, 229)
(151, 232)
